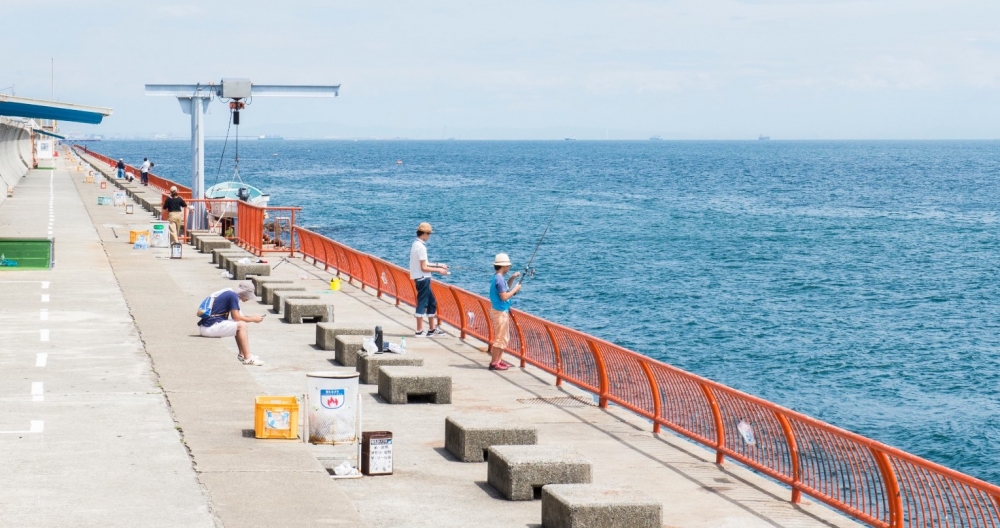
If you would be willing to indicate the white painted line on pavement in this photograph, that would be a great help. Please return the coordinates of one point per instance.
(43, 315)
(41, 360)
(45, 297)
(37, 426)
(45, 285)
(44, 334)
(37, 391)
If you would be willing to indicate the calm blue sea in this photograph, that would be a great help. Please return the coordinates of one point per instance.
(858, 282)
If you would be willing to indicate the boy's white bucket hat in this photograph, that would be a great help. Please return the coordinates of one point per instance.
(501, 260)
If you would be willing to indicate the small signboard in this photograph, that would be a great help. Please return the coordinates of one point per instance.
(176, 250)
(119, 198)
(376, 453)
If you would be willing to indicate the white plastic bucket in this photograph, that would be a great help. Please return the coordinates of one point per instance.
(333, 407)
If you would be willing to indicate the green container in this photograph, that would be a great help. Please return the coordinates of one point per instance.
(25, 254)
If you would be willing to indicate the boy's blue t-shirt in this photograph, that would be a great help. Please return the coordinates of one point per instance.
(498, 286)
(224, 303)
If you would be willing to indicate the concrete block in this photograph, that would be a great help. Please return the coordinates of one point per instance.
(588, 505)
(347, 348)
(206, 245)
(226, 260)
(469, 437)
(517, 471)
(267, 289)
(400, 384)
(240, 271)
(326, 333)
(258, 283)
(369, 364)
(298, 309)
(279, 297)
(218, 253)
(194, 235)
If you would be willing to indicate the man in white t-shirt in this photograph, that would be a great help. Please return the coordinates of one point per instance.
(144, 171)
(420, 272)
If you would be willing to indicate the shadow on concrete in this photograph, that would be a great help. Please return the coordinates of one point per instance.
(489, 490)
(445, 454)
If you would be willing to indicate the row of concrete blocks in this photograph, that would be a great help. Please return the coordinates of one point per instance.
(399, 377)
(227, 257)
(297, 305)
(521, 470)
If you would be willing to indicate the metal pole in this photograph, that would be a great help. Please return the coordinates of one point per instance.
(198, 160)
(195, 107)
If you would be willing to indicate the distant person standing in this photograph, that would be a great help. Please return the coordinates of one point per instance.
(121, 168)
(502, 291)
(175, 213)
(420, 272)
(144, 171)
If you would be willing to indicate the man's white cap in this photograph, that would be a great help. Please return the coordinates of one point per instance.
(501, 260)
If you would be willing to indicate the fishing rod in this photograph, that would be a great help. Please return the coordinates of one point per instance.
(528, 270)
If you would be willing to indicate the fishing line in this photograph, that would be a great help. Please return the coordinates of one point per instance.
(223, 156)
(528, 269)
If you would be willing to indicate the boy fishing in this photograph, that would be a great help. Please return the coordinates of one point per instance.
(502, 291)
(420, 272)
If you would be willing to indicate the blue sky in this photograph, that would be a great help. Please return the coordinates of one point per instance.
(725, 69)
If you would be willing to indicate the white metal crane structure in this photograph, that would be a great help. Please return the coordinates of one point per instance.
(194, 99)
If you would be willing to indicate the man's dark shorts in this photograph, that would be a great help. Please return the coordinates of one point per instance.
(426, 303)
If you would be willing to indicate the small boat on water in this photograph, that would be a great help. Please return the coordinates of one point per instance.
(762, 137)
(236, 190)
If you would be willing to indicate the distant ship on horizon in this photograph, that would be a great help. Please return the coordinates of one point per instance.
(762, 137)
(270, 137)
(656, 138)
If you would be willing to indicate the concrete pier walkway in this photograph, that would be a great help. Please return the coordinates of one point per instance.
(146, 423)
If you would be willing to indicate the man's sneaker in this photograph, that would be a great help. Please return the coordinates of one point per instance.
(252, 360)
(436, 332)
(500, 365)
(420, 334)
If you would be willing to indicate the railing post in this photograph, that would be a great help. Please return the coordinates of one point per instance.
(793, 453)
(654, 389)
(555, 348)
(520, 339)
(291, 236)
(490, 331)
(461, 313)
(720, 431)
(378, 277)
(602, 373)
(892, 494)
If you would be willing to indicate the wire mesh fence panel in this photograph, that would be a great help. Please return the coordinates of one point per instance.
(683, 405)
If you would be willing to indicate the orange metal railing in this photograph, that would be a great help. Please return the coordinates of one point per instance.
(867, 480)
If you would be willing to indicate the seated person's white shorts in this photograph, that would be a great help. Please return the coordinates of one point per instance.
(225, 328)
